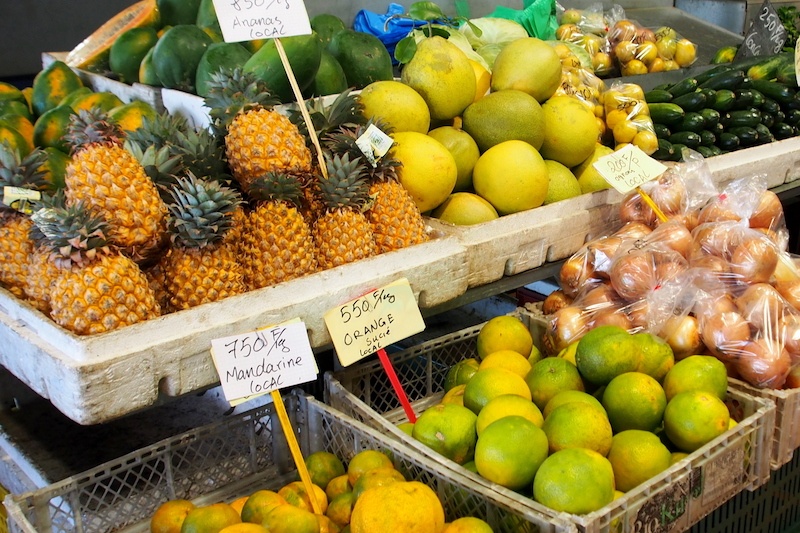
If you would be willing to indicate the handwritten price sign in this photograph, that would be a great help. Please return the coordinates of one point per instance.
(247, 20)
(766, 34)
(628, 168)
(374, 321)
(262, 361)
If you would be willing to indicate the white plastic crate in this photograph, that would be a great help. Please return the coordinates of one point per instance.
(233, 458)
(669, 502)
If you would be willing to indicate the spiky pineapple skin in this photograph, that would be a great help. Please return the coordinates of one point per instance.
(16, 248)
(395, 218)
(116, 187)
(276, 246)
(343, 236)
(261, 141)
(107, 293)
(195, 276)
(42, 273)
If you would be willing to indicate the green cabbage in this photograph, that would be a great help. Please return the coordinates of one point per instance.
(497, 31)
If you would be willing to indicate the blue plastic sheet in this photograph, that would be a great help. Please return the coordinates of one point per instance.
(390, 34)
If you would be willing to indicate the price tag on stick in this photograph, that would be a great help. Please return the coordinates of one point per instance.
(765, 35)
(248, 20)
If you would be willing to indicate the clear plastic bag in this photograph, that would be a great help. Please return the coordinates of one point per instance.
(628, 117)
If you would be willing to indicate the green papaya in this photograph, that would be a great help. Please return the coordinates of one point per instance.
(147, 72)
(128, 51)
(326, 26)
(51, 85)
(207, 18)
(174, 12)
(304, 53)
(363, 57)
(330, 78)
(218, 56)
(177, 54)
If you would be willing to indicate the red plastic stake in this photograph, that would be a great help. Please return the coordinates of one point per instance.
(398, 388)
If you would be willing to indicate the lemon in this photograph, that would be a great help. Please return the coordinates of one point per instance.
(503, 116)
(570, 131)
(562, 183)
(428, 170)
(465, 209)
(511, 462)
(464, 149)
(589, 178)
(530, 65)
(504, 332)
(507, 405)
(511, 176)
(575, 480)
(442, 74)
(399, 106)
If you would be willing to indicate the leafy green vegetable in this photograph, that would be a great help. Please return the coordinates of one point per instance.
(790, 16)
(437, 24)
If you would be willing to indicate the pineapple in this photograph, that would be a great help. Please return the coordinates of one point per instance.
(257, 138)
(42, 270)
(16, 245)
(114, 185)
(395, 218)
(97, 288)
(343, 234)
(276, 244)
(200, 266)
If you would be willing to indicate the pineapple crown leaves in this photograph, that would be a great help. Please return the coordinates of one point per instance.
(73, 234)
(346, 184)
(55, 199)
(203, 154)
(159, 130)
(277, 186)
(160, 165)
(345, 110)
(344, 141)
(200, 213)
(92, 126)
(25, 172)
(231, 92)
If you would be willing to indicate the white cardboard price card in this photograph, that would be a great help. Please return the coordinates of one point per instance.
(628, 168)
(247, 20)
(258, 362)
(374, 321)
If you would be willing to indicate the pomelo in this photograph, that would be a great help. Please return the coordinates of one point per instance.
(429, 170)
(397, 105)
(464, 149)
(464, 209)
(589, 178)
(570, 130)
(562, 183)
(503, 116)
(530, 65)
(512, 176)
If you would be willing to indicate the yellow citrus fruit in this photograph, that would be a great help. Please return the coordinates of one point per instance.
(550, 376)
(291, 519)
(460, 373)
(562, 183)
(170, 515)
(454, 395)
(589, 178)
(634, 400)
(528, 64)
(677, 456)
(567, 396)
(467, 524)
(512, 176)
(511, 461)
(448, 429)
(244, 527)
(685, 52)
(568, 352)
(465, 152)
(578, 425)
(326, 525)
(606, 352)
(508, 359)
(657, 357)
(364, 461)
(238, 503)
(340, 508)
(400, 107)
(637, 456)
(407, 507)
(490, 383)
(376, 478)
(535, 356)
(483, 79)
(575, 480)
(697, 372)
(259, 503)
(296, 493)
(504, 332)
(504, 116)
(570, 131)
(323, 466)
(210, 518)
(429, 171)
(465, 209)
(338, 485)
(694, 418)
(507, 405)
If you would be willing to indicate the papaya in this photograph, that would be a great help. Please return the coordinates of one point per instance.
(14, 138)
(52, 84)
(326, 26)
(10, 92)
(23, 125)
(131, 115)
(303, 52)
(50, 127)
(27, 92)
(55, 168)
(254, 45)
(177, 54)
(93, 52)
(207, 17)
(330, 78)
(75, 95)
(103, 100)
(174, 12)
(147, 72)
(15, 107)
(218, 56)
(128, 51)
(363, 57)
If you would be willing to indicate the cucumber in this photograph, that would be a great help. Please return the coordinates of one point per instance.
(744, 98)
(768, 69)
(707, 138)
(662, 131)
(774, 90)
(654, 96)
(724, 99)
(787, 75)
(728, 141)
(725, 54)
(666, 113)
(711, 117)
(782, 130)
(747, 136)
(679, 148)
(715, 150)
(727, 80)
(764, 134)
(691, 101)
(770, 106)
(685, 86)
(664, 152)
(742, 117)
(792, 117)
(713, 72)
(767, 119)
(705, 151)
(758, 97)
(692, 121)
(687, 138)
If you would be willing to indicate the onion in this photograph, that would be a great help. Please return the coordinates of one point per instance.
(566, 325)
(790, 290)
(633, 231)
(633, 275)
(601, 253)
(762, 306)
(789, 328)
(613, 316)
(633, 209)
(716, 264)
(723, 333)
(682, 333)
(674, 235)
(717, 211)
(575, 272)
(599, 297)
(755, 260)
(768, 212)
(715, 305)
(717, 239)
(764, 364)
(555, 301)
(793, 379)
(668, 193)
(669, 268)
(639, 313)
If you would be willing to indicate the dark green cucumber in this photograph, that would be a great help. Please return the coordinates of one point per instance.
(666, 113)
(787, 75)
(727, 80)
(768, 69)
(685, 86)
(711, 117)
(705, 151)
(707, 138)
(655, 96)
(744, 98)
(664, 152)
(715, 150)
(764, 134)
(728, 141)
(792, 117)
(692, 121)
(662, 131)
(679, 148)
(767, 119)
(687, 138)
(770, 106)
(782, 130)
(691, 101)
(724, 99)
(774, 90)
(713, 72)
(747, 136)
(741, 117)
(758, 97)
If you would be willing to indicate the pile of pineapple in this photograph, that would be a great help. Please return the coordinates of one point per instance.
(168, 217)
